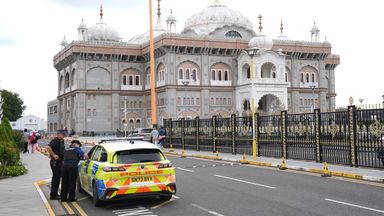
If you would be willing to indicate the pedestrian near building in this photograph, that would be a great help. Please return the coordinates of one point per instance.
(56, 150)
(71, 159)
(33, 141)
(25, 140)
(162, 135)
(155, 136)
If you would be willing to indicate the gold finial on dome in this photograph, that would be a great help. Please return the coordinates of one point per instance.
(101, 11)
(281, 27)
(260, 24)
(158, 9)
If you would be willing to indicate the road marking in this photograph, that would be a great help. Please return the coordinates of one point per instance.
(206, 210)
(357, 206)
(83, 198)
(187, 170)
(68, 208)
(42, 196)
(162, 204)
(247, 182)
(133, 212)
(176, 197)
(79, 209)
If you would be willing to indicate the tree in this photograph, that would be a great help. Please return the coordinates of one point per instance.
(6, 135)
(13, 105)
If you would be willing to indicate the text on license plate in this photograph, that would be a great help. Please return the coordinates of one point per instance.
(142, 179)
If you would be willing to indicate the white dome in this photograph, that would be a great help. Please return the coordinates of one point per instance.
(142, 38)
(261, 42)
(101, 31)
(214, 17)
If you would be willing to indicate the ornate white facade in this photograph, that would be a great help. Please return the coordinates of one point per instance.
(99, 72)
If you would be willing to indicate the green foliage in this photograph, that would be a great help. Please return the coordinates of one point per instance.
(18, 138)
(4, 136)
(8, 129)
(15, 170)
(13, 105)
(9, 155)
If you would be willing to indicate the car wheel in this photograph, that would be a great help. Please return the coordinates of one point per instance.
(96, 200)
(165, 197)
(79, 187)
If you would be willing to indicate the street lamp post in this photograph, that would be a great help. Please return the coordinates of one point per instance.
(313, 97)
(252, 52)
(125, 120)
(185, 83)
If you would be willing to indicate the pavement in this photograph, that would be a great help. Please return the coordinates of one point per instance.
(19, 195)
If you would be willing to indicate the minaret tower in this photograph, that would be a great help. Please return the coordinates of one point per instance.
(171, 23)
(82, 30)
(315, 33)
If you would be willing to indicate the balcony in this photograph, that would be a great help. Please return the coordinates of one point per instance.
(221, 82)
(309, 85)
(191, 82)
(132, 87)
(160, 83)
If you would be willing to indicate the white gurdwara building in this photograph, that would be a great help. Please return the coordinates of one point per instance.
(202, 71)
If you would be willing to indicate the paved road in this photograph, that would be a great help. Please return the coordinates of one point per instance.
(218, 188)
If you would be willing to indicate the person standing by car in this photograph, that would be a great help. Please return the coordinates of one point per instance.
(155, 136)
(56, 150)
(162, 135)
(72, 157)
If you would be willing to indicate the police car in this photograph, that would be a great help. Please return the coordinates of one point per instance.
(119, 169)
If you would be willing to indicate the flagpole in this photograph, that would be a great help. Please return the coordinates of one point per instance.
(152, 68)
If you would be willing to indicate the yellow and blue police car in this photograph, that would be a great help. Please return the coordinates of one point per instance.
(119, 169)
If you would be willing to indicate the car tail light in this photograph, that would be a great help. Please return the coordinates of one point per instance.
(113, 169)
(165, 165)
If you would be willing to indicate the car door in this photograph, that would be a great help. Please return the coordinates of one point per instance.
(87, 168)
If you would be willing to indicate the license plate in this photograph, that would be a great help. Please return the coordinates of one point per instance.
(144, 179)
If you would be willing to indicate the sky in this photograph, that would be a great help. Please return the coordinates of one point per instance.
(31, 32)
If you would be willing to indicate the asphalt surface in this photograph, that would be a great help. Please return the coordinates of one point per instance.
(218, 188)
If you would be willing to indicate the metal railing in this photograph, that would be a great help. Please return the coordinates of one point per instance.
(352, 137)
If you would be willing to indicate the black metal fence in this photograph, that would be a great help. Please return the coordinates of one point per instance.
(353, 137)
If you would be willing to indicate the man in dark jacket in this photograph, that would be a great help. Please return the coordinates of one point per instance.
(56, 152)
(162, 135)
(72, 156)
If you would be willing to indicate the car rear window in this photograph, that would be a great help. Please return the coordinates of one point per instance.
(146, 131)
(139, 156)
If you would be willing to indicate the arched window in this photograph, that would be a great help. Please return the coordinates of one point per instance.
(313, 77)
(163, 75)
(219, 75)
(226, 75)
(137, 80)
(181, 73)
(131, 126)
(302, 77)
(124, 79)
(213, 74)
(61, 83)
(130, 80)
(194, 75)
(233, 34)
(307, 77)
(249, 73)
(138, 123)
(66, 80)
(73, 77)
(187, 74)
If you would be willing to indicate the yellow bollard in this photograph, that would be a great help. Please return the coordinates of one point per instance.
(217, 155)
(244, 156)
(283, 165)
(244, 160)
(183, 153)
(171, 148)
(326, 172)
